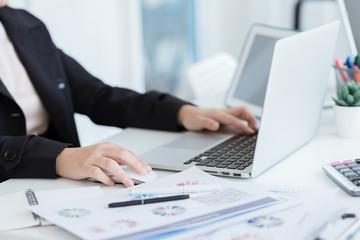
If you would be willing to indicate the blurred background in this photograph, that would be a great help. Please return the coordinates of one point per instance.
(149, 44)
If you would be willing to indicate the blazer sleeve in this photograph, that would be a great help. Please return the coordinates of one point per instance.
(28, 156)
(120, 107)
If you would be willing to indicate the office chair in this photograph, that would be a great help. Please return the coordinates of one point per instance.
(209, 76)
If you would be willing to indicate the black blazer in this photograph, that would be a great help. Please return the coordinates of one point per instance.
(64, 87)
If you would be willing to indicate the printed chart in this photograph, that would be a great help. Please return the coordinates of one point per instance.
(142, 196)
(266, 222)
(188, 183)
(123, 223)
(221, 197)
(73, 212)
(169, 211)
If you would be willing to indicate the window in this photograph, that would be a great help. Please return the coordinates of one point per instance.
(169, 42)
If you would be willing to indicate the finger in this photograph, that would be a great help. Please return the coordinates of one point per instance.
(125, 157)
(109, 165)
(239, 124)
(209, 124)
(99, 174)
(244, 114)
(226, 118)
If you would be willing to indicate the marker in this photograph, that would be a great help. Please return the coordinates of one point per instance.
(147, 201)
(356, 74)
(350, 65)
(343, 73)
(357, 60)
(175, 189)
(349, 62)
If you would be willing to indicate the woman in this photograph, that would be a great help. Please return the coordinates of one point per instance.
(40, 90)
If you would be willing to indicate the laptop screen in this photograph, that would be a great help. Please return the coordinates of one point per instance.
(249, 82)
(251, 85)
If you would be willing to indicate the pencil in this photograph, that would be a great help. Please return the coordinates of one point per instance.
(147, 201)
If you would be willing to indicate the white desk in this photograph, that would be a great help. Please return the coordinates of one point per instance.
(300, 169)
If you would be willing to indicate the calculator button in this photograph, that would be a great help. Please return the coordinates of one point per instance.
(344, 170)
(340, 167)
(355, 169)
(350, 174)
(352, 165)
(357, 160)
(354, 178)
(347, 162)
(337, 163)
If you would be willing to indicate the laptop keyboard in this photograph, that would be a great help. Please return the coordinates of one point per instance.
(235, 153)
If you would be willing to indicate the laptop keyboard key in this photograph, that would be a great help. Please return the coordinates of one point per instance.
(203, 162)
(235, 153)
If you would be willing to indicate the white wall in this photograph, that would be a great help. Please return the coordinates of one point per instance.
(104, 37)
(222, 24)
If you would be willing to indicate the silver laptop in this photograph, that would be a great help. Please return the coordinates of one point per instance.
(290, 116)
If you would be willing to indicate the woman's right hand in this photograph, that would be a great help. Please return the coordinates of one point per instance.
(94, 161)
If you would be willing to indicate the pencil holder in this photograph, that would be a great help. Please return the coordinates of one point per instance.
(344, 75)
(347, 104)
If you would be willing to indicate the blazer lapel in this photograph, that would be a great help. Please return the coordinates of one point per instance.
(38, 55)
(40, 58)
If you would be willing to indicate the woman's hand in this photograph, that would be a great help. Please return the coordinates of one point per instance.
(194, 118)
(94, 161)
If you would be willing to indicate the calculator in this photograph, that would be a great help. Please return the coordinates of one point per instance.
(346, 174)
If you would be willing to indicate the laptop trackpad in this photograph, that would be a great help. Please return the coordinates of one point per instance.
(194, 141)
(171, 155)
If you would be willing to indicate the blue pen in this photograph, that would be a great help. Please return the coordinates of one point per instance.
(350, 65)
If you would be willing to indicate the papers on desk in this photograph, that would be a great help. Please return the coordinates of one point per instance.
(260, 212)
(14, 207)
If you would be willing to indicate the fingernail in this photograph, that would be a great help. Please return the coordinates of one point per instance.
(143, 171)
(130, 183)
(148, 168)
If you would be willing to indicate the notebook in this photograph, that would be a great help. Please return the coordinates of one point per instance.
(14, 207)
(290, 116)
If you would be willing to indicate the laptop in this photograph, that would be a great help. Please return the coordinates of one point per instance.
(249, 84)
(290, 116)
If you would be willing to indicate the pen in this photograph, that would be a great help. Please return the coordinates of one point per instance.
(147, 201)
(343, 73)
(176, 189)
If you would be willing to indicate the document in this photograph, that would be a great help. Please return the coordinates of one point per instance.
(297, 222)
(90, 219)
(14, 207)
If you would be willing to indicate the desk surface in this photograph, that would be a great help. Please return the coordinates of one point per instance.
(303, 168)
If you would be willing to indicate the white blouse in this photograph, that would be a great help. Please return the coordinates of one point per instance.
(17, 82)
